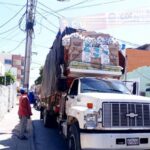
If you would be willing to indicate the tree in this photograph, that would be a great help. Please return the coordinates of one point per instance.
(39, 79)
(7, 79)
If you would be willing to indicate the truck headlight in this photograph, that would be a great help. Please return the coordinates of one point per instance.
(99, 117)
(90, 121)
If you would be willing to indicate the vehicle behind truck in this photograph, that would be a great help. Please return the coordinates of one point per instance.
(82, 95)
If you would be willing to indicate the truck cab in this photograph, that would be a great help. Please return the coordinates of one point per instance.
(103, 114)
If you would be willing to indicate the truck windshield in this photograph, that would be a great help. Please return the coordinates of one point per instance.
(102, 85)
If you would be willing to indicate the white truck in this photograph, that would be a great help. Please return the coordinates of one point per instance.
(102, 114)
(92, 108)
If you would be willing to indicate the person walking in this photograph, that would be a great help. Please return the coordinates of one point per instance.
(24, 113)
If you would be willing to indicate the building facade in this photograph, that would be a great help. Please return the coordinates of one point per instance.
(14, 64)
(138, 68)
(2, 69)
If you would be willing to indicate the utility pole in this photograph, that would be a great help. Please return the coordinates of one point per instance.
(30, 18)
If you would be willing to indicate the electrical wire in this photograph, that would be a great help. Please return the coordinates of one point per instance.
(10, 39)
(35, 10)
(10, 29)
(93, 5)
(111, 20)
(47, 20)
(36, 63)
(12, 17)
(20, 22)
(49, 12)
(12, 34)
(56, 14)
(46, 28)
(11, 4)
(41, 46)
(17, 46)
(65, 8)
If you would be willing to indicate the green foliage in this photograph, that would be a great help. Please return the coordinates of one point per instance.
(7, 79)
(2, 80)
(39, 79)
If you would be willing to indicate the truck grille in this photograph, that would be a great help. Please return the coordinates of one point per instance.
(126, 114)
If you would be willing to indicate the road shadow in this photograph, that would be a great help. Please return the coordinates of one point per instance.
(8, 140)
(11, 141)
(47, 138)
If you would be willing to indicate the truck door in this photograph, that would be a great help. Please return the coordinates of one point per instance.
(72, 95)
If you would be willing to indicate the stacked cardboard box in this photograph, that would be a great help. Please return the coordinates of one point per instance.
(94, 50)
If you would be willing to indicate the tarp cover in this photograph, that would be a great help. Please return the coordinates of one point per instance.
(52, 70)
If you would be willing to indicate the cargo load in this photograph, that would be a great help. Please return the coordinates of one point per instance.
(80, 53)
(91, 50)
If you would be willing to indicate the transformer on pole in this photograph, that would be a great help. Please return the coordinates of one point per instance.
(30, 17)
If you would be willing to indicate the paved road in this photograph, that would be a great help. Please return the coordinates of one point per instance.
(9, 132)
(45, 138)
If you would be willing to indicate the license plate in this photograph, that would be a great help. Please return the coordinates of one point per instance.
(132, 141)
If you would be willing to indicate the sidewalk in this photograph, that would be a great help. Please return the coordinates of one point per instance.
(9, 131)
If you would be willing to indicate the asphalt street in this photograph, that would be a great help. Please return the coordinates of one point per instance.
(46, 138)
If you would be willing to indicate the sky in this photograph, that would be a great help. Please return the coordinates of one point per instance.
(126, 20)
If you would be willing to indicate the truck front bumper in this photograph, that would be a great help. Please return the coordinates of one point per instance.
(115, 141)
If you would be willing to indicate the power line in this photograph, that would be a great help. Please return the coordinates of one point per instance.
(10, 29)
(12, 34)
(10, 39)
(11, 4)
(20, 22)
(17, 45)
(117, 22)
(52, 11)
(47, 28)
(48, 20)
(37, 63)
(97, 4)
(49, 12)
(41, 46)
(65, 8)
(115, 38)
(85, 1)
(12, 17)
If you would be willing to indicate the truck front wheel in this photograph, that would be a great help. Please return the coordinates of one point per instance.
(74, 138)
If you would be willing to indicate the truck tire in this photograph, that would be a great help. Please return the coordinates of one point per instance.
(74, 138)
(45, 118)
(41, 113)
(49, 119)
(53, 121)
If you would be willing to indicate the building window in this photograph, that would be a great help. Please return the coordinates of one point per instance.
(22, 62)
(8, 61)
(19, 72)
(16, 62)
(22, 72)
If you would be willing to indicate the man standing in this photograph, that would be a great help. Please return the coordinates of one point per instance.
(24, 113)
